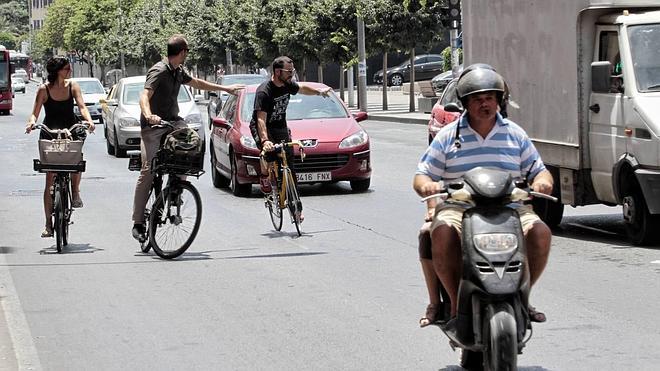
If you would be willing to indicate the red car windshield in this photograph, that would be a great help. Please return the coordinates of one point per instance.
(302, 107)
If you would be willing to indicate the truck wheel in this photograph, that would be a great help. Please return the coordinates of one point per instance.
(641, 226)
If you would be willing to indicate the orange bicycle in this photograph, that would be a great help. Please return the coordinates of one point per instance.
(284, 193)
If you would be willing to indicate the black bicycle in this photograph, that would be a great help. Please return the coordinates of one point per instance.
(173, 213)
(62, 156)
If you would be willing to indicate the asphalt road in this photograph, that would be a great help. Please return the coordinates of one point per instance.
(345, 296)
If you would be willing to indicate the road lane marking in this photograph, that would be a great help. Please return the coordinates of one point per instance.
(655, 262)
(19, 331)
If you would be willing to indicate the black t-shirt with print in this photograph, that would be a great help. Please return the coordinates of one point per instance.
(273, 100)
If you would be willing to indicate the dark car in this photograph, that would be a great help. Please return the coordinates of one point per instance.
(440, 117)
(216, 99)
(337, 148)
(426, 66)
(440, 81)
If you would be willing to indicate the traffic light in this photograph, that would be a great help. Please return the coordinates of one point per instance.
(454, 13)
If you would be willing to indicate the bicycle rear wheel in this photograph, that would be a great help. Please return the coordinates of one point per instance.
(273, 205)
(293, 202)
(58, 223)
(174, 220)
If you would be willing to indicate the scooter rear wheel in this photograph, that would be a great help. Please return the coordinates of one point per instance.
(501, 351)
(471, 360)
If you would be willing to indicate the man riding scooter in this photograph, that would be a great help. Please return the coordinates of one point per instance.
(480, 137)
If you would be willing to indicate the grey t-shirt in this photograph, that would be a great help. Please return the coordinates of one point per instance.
(165, 81)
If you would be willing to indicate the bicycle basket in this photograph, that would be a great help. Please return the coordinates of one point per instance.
(184, 140)
(60, 151)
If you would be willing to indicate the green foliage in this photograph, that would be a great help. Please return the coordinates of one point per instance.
(8, 40)
(446, 58)
(14, 17)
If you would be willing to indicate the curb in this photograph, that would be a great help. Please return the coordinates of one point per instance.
(399, 119)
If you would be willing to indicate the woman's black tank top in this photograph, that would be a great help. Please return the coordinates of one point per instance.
(59, 113)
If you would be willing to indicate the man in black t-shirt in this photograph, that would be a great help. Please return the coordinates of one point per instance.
(268, 125)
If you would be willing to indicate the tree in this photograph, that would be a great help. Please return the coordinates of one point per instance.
(8, 40)
(14, 17)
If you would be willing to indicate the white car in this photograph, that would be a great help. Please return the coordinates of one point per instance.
(21, 73)
(92, 91)
(17, 84)
(121, 114)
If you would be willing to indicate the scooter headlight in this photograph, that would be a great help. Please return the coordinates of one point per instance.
(495, 243)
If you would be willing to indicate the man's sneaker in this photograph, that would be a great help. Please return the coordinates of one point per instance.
(265, 185)
(139, 232)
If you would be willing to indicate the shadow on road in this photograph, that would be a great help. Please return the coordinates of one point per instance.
(72, 248)
(606, 228)
(282, 255)
(528, 368)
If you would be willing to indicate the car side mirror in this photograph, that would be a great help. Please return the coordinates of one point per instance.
(453, 107)
(360, 116)
(112, 102)
(221, 123)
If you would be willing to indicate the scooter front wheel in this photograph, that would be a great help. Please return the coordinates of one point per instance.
(500, 336)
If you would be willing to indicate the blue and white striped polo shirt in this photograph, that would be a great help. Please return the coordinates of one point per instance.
(507, 147)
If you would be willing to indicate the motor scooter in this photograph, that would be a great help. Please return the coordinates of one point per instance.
(492, 324)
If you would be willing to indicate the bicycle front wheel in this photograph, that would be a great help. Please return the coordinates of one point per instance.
(293, 202)
(66, 212)
(174, 221)
(58, 214)
(273, 205)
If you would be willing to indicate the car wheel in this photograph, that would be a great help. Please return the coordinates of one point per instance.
(119, 153)
(219, 181)
(361, 185)
(241, 190)
(110, 148)
(396, 80)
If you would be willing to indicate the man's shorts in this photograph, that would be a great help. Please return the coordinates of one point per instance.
(453, 216)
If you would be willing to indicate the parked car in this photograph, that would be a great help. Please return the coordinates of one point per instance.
(426, 66)
(19, 72)
(122, 116)
(337, 148)
(440, 117)
(217, 99)
(440, 81)
(92, 91)
(17, 84)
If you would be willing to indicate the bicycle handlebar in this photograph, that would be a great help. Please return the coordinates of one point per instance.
(66, 131)
(292, 143)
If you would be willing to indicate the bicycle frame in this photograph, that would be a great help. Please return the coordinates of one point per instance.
(275, 168)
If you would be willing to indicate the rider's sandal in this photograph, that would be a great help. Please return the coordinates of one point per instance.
(47, 233)
(430, 316)
(536, 316)
(76, 203)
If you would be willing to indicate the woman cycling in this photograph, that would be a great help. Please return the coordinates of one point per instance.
(56, 96)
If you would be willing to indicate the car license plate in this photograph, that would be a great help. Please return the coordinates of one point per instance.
(324, 176)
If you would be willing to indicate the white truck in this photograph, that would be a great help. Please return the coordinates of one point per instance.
(586, 75)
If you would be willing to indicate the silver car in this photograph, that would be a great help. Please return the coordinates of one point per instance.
(92, 91)
(121, 114)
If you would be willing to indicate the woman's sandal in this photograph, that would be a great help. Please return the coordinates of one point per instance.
(536, 316)
(47, 233)
(430, 316)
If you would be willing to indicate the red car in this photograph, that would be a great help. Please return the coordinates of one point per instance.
(337, 148)
(440, 117)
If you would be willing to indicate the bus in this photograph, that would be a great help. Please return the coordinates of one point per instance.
(20, 60)
(5, 82)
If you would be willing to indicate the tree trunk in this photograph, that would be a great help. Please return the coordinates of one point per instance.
(385, 81)
(320, 69)
(304, 71)
(412, 80)
(341, 82)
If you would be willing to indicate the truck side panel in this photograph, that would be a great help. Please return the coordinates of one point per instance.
(533, 44)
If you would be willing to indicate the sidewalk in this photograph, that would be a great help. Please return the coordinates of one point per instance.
(397, 103)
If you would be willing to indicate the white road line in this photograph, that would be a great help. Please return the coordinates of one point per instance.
(655, 262)
(19, 331)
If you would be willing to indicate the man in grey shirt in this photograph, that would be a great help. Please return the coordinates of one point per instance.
(159, 102)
